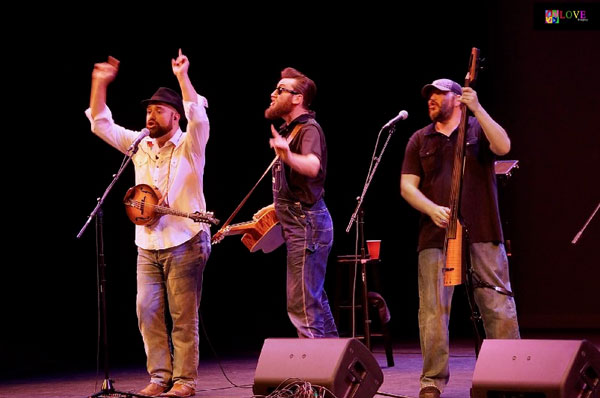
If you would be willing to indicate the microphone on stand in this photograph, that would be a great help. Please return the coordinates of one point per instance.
(401, 116)
(134, 146)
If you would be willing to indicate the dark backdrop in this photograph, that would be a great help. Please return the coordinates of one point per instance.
(542, 86)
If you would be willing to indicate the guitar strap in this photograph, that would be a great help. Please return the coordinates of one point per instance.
(162, 199)
(294, 132)
(239, 207)
(165, 197)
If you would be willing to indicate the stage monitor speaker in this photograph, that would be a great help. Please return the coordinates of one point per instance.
(537, 369)
(345, 367)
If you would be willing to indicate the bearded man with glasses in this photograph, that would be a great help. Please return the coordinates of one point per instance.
(298, 188)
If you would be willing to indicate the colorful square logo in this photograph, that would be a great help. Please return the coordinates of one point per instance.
(552, 16)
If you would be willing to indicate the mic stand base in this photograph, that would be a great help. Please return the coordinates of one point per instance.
(108, 391)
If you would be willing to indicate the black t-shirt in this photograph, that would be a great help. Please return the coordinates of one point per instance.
(309, 139)
(430, 155)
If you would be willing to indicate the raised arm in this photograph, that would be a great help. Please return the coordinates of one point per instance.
(496, 135)
(180, 70)
(198, 127)
(102, 75)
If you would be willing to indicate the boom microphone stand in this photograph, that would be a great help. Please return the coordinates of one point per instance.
(107, 389)
(578, 235)
(391, 125)
(358, 218)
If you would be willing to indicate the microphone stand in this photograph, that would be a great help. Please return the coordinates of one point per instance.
(358, 218)
(107, 389)
(370, 174)
(578, 235)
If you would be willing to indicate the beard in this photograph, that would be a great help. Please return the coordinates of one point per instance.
(158, 131)
(278, 109)
(445, 110)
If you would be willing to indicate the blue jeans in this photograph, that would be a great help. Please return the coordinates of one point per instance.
(498, 311)
(308, 234)
(171, 278)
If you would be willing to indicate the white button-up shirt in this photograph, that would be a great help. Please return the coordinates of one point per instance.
(176, 169)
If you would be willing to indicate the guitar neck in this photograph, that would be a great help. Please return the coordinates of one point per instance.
(240, 228)
(173, 212)
(196, 216)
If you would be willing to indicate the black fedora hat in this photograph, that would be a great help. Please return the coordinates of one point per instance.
(165, 95)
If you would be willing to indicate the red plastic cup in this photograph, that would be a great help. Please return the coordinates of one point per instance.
(373, 248)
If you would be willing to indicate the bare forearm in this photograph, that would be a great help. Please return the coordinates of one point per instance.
(496, 135)
(180, 67)
(416, 198)
(188, 93)
(307, 165)
(413, 195)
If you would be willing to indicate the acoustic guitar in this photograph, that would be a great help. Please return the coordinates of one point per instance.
(143, 208)
(262, 233)
(454, 249)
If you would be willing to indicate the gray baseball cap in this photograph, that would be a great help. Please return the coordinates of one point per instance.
(442, 85)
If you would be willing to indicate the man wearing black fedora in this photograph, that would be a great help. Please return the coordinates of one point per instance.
(172, 251)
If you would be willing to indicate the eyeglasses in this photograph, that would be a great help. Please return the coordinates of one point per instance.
(287, 90)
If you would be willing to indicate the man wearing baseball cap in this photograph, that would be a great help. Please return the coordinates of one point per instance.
(425, 185)
(172, 251)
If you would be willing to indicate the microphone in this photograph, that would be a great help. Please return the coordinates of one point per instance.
(401, 116)
(134, 147)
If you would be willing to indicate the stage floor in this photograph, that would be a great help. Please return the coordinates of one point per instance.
(401, 380)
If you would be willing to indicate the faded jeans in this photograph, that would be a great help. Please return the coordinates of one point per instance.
(308, 235)
(498, 311)
(171, 277)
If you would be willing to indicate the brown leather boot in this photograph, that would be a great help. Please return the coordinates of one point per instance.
(153, 390)
(180, 390)
(429, 392)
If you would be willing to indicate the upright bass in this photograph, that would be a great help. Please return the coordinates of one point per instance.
(454, 243)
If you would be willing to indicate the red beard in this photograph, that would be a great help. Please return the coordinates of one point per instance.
(278, 109)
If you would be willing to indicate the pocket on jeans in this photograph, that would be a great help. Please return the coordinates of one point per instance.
(204, 248)
(297, 212)
(321, 229)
